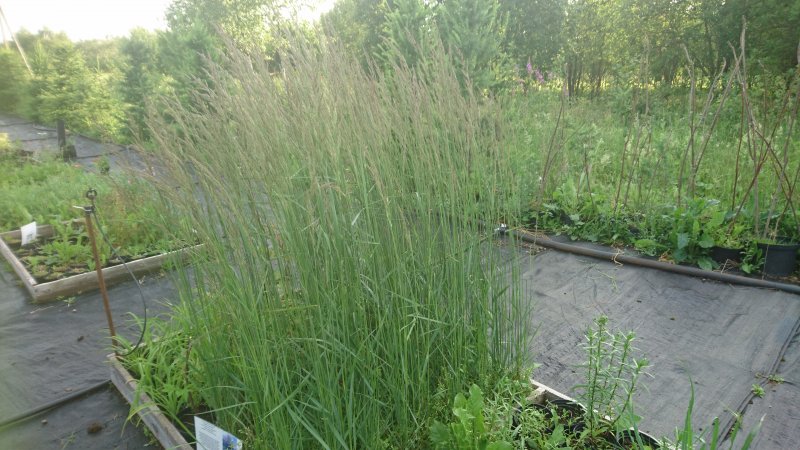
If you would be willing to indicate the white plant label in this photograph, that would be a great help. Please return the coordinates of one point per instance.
(28, 233)
(212, 437)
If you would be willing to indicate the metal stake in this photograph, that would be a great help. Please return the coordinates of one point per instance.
(88, 211)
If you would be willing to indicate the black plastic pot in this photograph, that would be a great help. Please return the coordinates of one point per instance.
(724, 254)
(574, 414)
(627, 439)
(779, 259)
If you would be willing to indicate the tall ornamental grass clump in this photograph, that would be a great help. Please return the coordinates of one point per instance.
(347, 289)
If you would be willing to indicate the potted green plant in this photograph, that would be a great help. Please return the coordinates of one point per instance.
(729, 237)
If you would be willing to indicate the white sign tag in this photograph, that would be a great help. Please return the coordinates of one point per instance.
(28, 233)
(212, 437)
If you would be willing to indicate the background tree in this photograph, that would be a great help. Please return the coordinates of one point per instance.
(408, 30)
(357, 25)
(533, 31)
(14, 82)
(773, 31)
(473, 33)
(141, 74)
(64, 88)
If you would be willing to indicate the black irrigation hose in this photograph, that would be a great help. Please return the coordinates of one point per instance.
(634, 260)
(47, 406)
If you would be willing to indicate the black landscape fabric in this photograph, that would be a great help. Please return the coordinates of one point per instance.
(720, 337)
(723, 338)
(40, 140)
(51, 350)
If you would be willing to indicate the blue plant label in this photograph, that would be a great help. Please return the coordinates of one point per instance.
(212, 437)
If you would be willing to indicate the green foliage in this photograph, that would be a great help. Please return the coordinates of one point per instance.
(42, 191)
(7, 148)
(63, 87)
(690, 242)
(468, 431)
(245, 22)
(142, 77)
(772, 27)
(165, 370)
(612, 375)
(358, 25)
(69, 247)
(710, 438)
(409, 31)
(533, 31)
(14, 82)
(103, 165)
(473, 32)
(47, 191)
(505, 418)
(345, 247)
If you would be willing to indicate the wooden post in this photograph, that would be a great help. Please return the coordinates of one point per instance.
(62, 135)
(68, 152)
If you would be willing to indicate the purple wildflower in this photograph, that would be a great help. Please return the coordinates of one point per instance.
(529, 67)
(538, 74)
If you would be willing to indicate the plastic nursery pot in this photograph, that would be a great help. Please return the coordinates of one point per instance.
(629, 439)
(725, 254)
(779, 259)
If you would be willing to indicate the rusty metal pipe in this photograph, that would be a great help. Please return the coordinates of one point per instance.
(100, 280)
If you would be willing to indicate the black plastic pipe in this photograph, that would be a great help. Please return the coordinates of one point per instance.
(42, 408)
(675, 268)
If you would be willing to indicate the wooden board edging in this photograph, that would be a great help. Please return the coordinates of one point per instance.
(170, 438)
(76, 284)
(543, 393)
(16, 264)
(164, 431)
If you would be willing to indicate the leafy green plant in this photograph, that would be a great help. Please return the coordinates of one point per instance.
(103, 165)
(752, 258)
(68, 247)
(757, 390)
(47, 191)
(612, 374)
(689, 241)
(164, 367)
(612, 377)
(7, 148)
(724, 233)
(775, 378)
(546, 431)
(468, 431)
(711, 438)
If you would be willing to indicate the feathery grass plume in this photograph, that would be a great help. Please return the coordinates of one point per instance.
(346, 290)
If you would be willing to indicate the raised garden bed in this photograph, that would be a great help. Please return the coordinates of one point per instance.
(163, 430)
(44, 291)
(170, 437)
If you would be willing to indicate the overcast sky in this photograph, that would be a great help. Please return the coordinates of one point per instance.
(94, 19)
